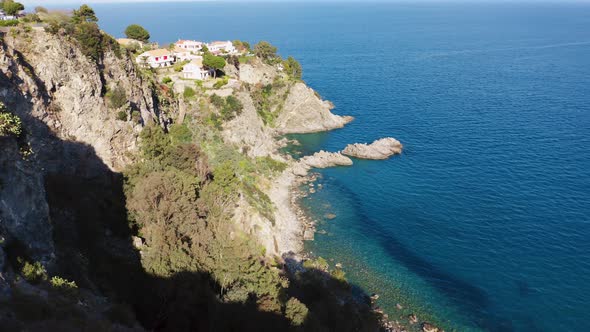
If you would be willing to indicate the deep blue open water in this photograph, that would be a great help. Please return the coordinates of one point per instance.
(484, 221)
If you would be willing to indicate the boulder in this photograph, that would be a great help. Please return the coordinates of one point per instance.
(427, 327)
(380, 149)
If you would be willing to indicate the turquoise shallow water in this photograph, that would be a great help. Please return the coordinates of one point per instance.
(484, 220)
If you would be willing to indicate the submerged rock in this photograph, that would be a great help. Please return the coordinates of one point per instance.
(380, 149)
(427, 327)
(413, 319)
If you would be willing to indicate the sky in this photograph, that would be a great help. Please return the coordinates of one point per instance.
(79, 2)
(74, 3)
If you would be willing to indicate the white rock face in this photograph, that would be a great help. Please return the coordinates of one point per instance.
(305, 112)
(257, 72)
(380, 149)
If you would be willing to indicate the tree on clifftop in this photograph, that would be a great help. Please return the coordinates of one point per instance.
(213, 62)
(292, 68)
(265, 50)
(84, 14)
(12, 8)
(137, 32)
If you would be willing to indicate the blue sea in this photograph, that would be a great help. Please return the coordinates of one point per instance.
(483, 223)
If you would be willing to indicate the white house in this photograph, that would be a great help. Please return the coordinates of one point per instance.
(156, 58)
(218, 47)
(191, 45)
(183, 54)
(194, 70)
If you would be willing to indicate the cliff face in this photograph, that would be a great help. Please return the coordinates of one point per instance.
(69, 131)
(305, 112)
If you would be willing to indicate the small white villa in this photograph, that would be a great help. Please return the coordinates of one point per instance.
(156, 58)
(183, 54)
(191, 45)
(218, 47)
(194, 70)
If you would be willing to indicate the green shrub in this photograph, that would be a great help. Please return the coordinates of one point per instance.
(89, 38)
(117, 97)
(293, 68)
(68, 288)
(229, 107)
(34, 273)
(316, 264)
(10, 124)
(265, 51)
(122, 116)
(296, 311)
(217, 101)
(180, 65)
(232, 108)
(188, 93)
(268, 165)
(221, 82)
(179, 134)
(166, 80)
(8, 23)
(137, 32)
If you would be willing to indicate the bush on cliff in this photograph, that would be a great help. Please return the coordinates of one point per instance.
(10, 124)
(117, 97)
(265, 51)
(11, 7)
(293, 68)
(137, 32)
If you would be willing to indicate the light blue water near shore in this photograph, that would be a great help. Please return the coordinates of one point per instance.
(484, 220)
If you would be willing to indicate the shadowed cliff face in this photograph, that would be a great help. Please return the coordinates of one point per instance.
(57, 92)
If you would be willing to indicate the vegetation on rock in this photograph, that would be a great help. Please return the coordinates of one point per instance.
(137, 32)
(265, 51)
(11, 7)
(10, 124)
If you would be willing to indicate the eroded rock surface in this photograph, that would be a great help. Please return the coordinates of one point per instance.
(380, 149)
(305, 112)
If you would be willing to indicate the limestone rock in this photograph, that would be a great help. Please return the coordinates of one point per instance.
(305, 112)
(325, 159)
(380, 149)
(248, 132)
(257, 73)
(427, 327)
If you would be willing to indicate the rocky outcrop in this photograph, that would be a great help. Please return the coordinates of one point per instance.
(320, 159)
(70, 132)
(248, 132)
(380, 149)
(257, 72)
(305, 112)
(427, 327)
(66, 92)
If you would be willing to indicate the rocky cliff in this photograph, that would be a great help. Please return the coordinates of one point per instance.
(69, 129)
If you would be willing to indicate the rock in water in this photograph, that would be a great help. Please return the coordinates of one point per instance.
(325, 159)
(427, 327)
(380, 149)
